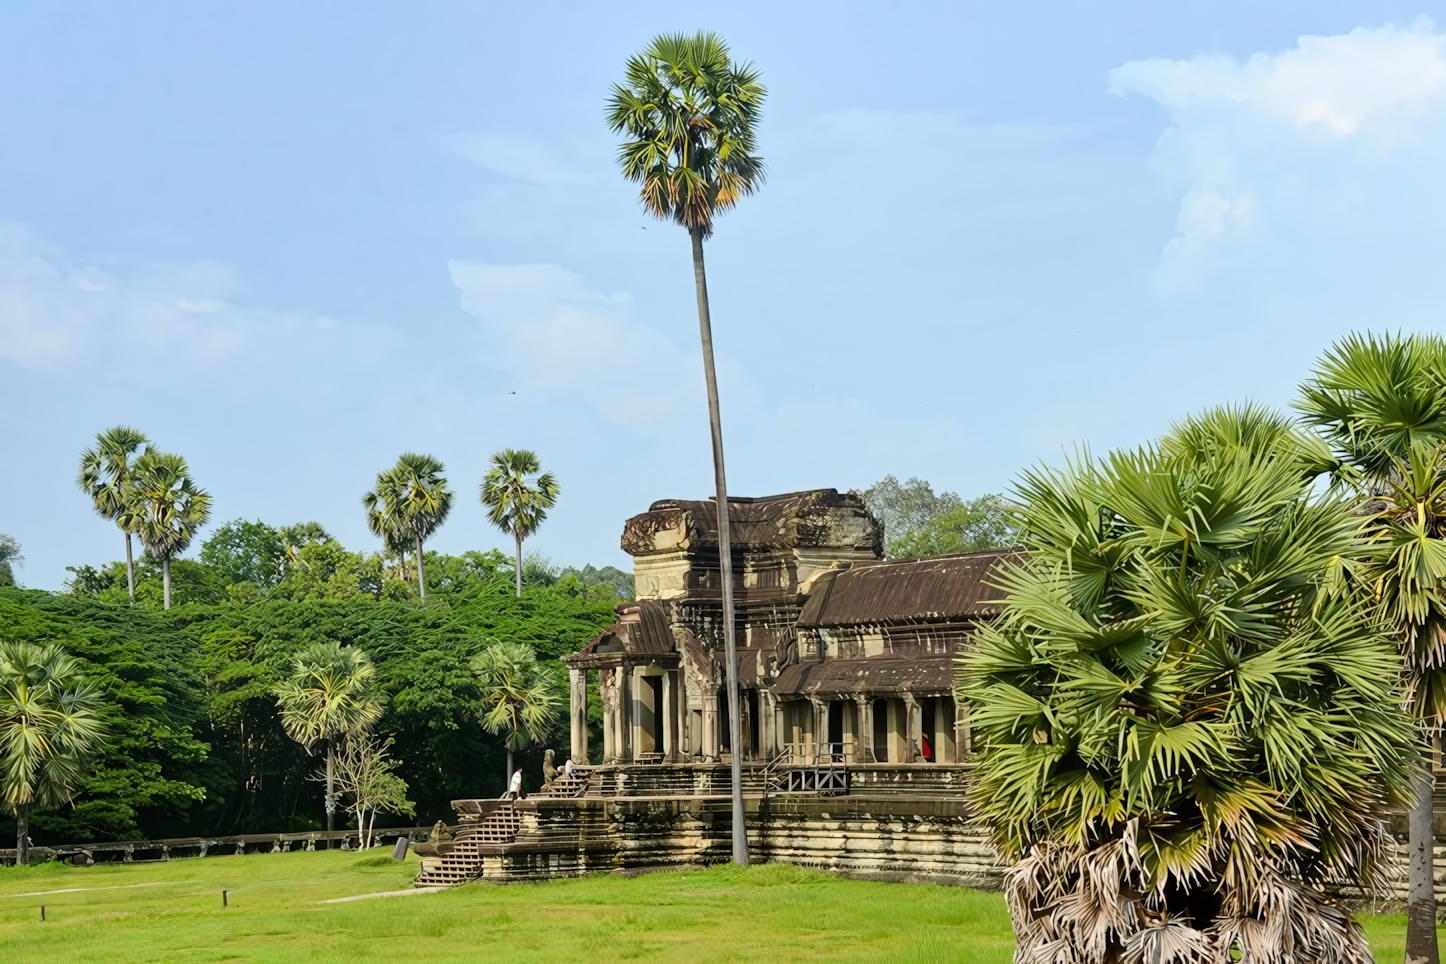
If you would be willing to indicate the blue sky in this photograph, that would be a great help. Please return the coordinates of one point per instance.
(292, 241)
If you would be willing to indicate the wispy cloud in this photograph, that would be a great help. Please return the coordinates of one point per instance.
(552, 331)
(520, 158)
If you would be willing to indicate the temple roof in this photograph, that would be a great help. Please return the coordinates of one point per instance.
(926, 590)
(642, 629)
(816, 518)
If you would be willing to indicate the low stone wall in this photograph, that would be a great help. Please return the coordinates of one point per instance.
(868, 835)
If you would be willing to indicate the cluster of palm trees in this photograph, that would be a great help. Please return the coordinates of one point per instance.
(411, 500)
(148, 494)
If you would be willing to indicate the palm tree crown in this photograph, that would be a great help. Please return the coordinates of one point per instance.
(410, 502)
(521, 697)
(331, 694)
(1188, 712)
(689, 113)
(1380, 403)
(105, 476)
(516, 502)
(170, 508)
(50, 725)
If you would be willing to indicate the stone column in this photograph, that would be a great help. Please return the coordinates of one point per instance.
(767, 728)
(608, 692)
(626, 741)
(578, 707)
(710, 723)
(670, 715)
(820, 726)
(911, 728)
(865, 740)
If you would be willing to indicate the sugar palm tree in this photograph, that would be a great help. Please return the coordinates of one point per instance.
(50, 727)
(1189, 712)
(690, 115)
(1381, 405)
(105, 476)
(521, 697)
(410, 502)
(516, 502)
(169, 509)
(331, 694)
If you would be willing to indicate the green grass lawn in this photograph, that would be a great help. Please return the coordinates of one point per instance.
(172, 912)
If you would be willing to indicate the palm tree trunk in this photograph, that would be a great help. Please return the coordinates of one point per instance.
(725, 549)
(130, 569)
(330, 797)
(166, 581)
(421, 572)
(519, 564)
(22, 833)
(1421, 947)
(508, 784)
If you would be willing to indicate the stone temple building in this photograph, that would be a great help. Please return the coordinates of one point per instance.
(854, 750)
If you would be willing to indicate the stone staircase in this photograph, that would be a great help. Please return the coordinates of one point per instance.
(463, 862)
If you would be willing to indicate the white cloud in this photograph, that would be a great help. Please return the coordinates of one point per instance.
(554, 333)
(1308, 179)
(1335, 82)
(518, 157)
(54, 310)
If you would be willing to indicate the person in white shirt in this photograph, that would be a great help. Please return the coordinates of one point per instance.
(567, 768)
(514, 792)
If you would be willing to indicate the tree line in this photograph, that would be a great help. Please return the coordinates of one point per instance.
(150, 496)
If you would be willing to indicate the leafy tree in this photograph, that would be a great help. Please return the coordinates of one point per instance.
(521, 697)
(1380, 403)
(9, 554)
(919, 523)
(295, 537)
(620, 582)
(105, 476)
(151, 774)
(982, 523)
(690, 116)
(366, 773)
(410, 501)
(330, 695)
(50, 728)
(1189, 712)
(517, 498)
(242, 551)
(169, 509)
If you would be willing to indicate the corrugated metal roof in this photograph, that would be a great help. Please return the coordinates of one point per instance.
(877, 674)
(952, 587)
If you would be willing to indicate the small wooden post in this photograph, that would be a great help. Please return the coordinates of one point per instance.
(225, 899)
(42, 912)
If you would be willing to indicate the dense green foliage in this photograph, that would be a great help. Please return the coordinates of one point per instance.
(197, 744)
(918, 523)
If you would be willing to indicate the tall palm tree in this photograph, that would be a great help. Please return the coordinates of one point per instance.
(169, 509)
(690, 116)
(105, 476)
(521, 697)
(410, 502)
(1189, 713)
(331, 694)
(517, 503)
(50, 727)
(1381, 405)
